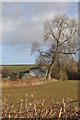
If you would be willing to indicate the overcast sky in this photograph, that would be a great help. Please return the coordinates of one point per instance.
(23, 25)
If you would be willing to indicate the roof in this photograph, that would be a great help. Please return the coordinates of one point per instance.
(37, 72)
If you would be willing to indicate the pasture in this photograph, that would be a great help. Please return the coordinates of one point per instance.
(18, 68)
(37, 89)
(56, 90)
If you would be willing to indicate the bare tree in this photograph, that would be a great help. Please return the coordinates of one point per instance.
(63, 32)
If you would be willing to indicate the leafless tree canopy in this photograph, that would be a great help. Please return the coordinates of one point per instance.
(62, 31)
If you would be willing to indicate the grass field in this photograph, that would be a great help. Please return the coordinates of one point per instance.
(18, 68)
(56, 90)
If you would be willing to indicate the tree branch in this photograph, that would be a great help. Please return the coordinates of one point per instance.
(52, 32)
(68, 38)
(67, 53)
(46, 54)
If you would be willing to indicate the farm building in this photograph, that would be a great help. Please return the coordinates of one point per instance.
(35, 72)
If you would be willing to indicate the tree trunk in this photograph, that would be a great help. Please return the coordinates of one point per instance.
(51, 67)
(50, 72)
(55, 54)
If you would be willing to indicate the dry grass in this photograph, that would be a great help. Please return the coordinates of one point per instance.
(44, 90)
(19, 102)
(64, 110)
(27, 82)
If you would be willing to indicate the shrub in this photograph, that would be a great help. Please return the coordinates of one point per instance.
(6, 72)
(55, 72)
(63, 74)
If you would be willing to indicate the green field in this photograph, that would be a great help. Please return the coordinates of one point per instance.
(56, 90)
(18, 68)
